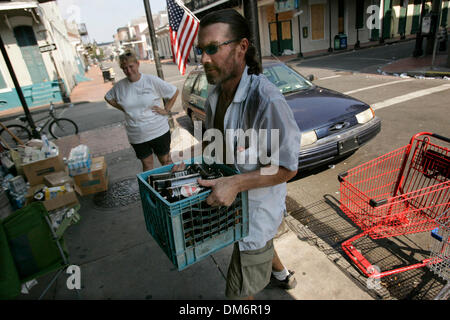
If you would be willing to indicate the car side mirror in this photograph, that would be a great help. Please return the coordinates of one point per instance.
(311, 77)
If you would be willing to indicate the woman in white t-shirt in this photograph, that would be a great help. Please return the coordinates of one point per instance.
(139, 96)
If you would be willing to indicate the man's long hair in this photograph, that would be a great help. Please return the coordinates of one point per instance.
(239, 29)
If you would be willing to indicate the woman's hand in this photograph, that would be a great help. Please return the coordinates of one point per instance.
(160, 110)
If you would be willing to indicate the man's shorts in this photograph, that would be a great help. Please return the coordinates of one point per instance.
(249, 271)
(159, 145)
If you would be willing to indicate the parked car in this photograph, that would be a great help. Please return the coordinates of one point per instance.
(332, 124)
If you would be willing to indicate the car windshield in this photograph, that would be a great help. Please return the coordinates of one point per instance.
(286, 79)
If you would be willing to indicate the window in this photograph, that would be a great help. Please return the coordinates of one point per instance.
(25, 36)
(201, 87)
(2, 81)
(189, 82)
(286, 79)
(341, 12)
(317, 22)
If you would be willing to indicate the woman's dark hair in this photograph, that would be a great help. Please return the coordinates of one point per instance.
(239, 29)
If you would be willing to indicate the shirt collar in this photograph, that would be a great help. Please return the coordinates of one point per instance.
(243, 87)
(239, 96)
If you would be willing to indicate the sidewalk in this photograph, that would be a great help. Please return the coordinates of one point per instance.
(421, 66)
(93, 90)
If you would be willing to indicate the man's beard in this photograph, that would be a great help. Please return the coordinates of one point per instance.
(211, 78)
(222, 74)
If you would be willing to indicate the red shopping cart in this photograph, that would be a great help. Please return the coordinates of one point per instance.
(399, 193)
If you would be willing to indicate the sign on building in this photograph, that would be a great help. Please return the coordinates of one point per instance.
(48, 47)
(285, 5)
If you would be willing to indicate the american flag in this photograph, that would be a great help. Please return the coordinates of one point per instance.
(183, 28)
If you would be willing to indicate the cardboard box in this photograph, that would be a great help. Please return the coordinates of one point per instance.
(94, 181)
(36, 171)
(57, 179)
(66, 199)
(62, 200)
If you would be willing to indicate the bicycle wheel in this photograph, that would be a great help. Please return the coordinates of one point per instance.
(62, 127)
(19, 131)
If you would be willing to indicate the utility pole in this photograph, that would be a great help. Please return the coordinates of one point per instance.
(19, 90)
(448, 59)
(418, 51)
(298, 13)
(251, 14)
(436, 31)
(151, 29)
(330, 48)
(435, 9)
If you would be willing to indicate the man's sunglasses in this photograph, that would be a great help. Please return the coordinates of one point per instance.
(213, 48)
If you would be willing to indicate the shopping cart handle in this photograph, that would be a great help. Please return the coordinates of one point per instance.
(376, 203)
(434, 234)
(438, 136)
(341, 176)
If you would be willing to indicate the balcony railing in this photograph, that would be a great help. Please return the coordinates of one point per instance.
(197, 4)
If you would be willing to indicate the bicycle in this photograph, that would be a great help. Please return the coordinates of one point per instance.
(57, 127)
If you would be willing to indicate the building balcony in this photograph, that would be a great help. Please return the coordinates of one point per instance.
(195, 5)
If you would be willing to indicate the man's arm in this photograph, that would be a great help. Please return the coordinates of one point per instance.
(225, 190)
(115, 104)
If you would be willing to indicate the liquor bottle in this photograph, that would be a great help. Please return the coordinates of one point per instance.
(166, 175)
(207, 172)
(178, 193)
(178, 181)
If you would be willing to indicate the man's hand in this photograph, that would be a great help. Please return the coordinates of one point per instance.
(179, 167)
(224, 191)
(160, 110)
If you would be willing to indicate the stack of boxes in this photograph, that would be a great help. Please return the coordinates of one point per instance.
(58, 183)
(90, 174)
(51, 179)
(50, 184)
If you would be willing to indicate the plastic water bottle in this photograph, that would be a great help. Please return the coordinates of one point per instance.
(46, 146)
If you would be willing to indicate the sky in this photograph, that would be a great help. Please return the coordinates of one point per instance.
(104, 17)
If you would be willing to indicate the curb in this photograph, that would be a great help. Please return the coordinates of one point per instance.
(336, 52)
(38, 110)
(419, 74)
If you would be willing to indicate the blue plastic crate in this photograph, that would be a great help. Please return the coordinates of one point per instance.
(189, 230)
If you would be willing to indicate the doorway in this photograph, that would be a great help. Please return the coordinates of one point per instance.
(280, 37)
(29, 48)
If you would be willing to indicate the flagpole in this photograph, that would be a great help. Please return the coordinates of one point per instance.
(151, 29)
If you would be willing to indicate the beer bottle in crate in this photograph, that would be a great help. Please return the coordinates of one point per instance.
(181, 192)
(165, 176)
